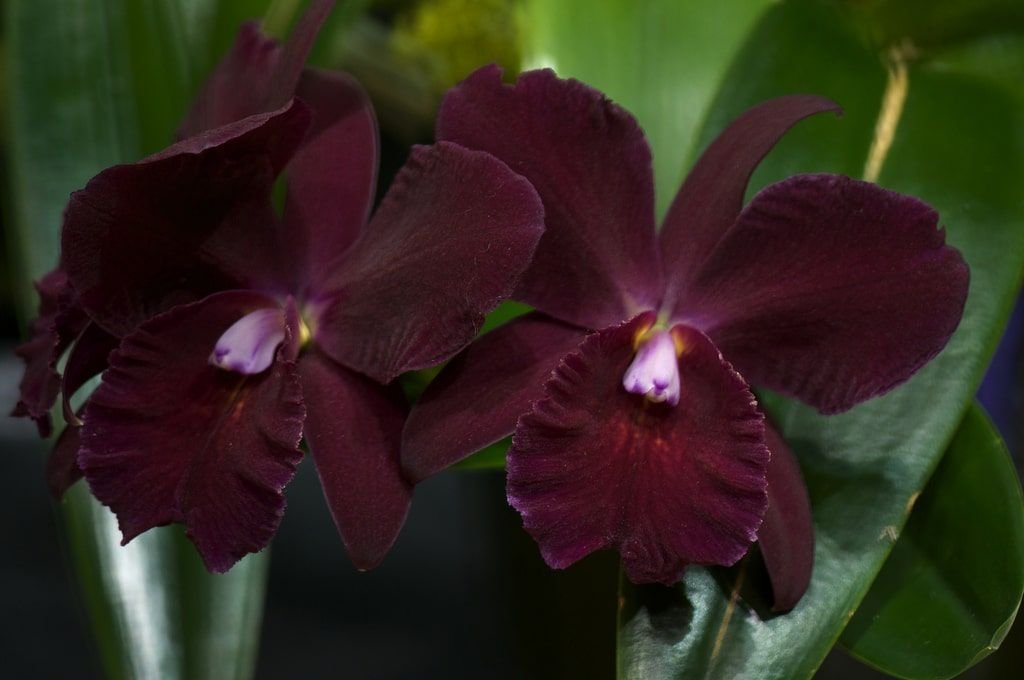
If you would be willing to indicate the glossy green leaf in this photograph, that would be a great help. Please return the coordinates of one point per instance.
(92, 84)
(958, 147)
(661, 59)
(931, 24)
(950, 590)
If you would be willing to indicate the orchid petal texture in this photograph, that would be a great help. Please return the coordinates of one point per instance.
(825, 288)
(238, 330)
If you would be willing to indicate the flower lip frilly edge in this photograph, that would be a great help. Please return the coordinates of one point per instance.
(628, 389)
(225, 333)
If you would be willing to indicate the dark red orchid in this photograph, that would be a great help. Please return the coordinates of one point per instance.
(627, 388)
(237, 331)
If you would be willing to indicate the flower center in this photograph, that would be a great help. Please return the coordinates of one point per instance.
(654, 372)
(249, 345)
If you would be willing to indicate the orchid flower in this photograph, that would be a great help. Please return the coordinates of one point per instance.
(628, 388)
(237, 331)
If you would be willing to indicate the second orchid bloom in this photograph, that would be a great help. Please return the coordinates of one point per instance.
(628, 389)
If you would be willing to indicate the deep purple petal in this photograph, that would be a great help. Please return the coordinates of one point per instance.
(62, 464)
(477, 398)
(353, 428)
(830, 290)
(86, 360)
(710, 199)
(593, 466)
(333, 176)
(142, 238)
(786, 536)
(598, 262)
(257, 75)
(58, 322)
(449, 242)
(170, 438)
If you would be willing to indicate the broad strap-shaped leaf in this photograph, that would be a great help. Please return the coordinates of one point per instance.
(168, 437)
(952, 585)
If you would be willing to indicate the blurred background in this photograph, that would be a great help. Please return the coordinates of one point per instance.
(465, 593)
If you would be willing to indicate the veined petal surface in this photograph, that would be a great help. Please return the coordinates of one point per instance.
(830, 290)
(598, 261)
(594, 466)
(448, 243)
(170, 438)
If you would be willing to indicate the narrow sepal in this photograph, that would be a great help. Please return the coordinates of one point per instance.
(170, 438)
(846, 290)
(332, 177)
(353, 429)
(710, 199)
(588, 159)
(479, 395)
(594, 466)
(449, 242)
(786, 537)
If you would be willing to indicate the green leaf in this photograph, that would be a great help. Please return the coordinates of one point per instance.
(155, 610)
(92, 84)
(950, 590)
(958, 147)
(661, 59)
(935, 23)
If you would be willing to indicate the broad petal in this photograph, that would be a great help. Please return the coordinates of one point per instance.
(353, 430)
(195, 219)
(58, 322)
(710, 199)
(449, 242)
(87, 359)
(597, 262)
(786, 536)
(333, 176)
(593, 466)
(257, 75)
(170, 438)
(830, 290)
(62, 464)
(479, 395)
